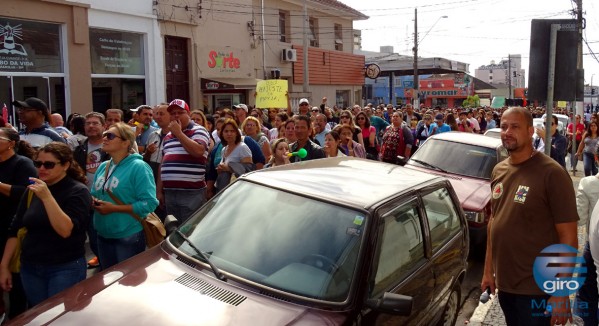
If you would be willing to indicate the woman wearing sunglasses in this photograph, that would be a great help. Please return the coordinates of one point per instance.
(56, 215)
(122, 186)
(16, 167)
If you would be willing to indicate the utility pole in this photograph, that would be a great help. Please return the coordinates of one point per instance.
(509, 76)
(416, 82)
(305, 45)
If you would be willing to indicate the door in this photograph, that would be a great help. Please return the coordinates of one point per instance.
(177, 72)
(48, 89)
(101, 99)
(401, 265)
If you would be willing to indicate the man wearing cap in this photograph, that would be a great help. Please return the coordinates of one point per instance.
(439, 125)
(34, 114)
(389, 113)
(304, 107)
(182, 184)
(241, 112)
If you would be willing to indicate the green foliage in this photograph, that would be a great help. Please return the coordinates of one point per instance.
(471, 102)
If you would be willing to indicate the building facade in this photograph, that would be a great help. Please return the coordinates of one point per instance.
(216, 54)
(83, 55)
(503, 75)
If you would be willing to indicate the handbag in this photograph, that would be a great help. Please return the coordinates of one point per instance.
(154, 230)
(15, 261)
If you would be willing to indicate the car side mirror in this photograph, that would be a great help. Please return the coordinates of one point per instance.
(392, 303)
(401, 160)
(171, 223)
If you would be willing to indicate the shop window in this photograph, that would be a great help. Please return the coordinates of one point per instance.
(342, 98)
(118, 69)
(338, 37)
(313, 34)
(284, 26)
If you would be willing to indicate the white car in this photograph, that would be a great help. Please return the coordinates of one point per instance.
(493, 132)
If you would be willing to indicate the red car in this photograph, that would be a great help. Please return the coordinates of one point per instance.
(336, 241)
(467, 160)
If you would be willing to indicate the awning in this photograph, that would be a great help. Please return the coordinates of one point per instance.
(228, 83)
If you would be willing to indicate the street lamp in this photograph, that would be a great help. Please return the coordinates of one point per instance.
(416, 43)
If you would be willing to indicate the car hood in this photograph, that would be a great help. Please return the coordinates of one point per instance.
(473, 193)
(154, 288)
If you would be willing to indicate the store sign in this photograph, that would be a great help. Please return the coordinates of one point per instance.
(213, 85)
(115, 52)
(225, 62)
(27, 46)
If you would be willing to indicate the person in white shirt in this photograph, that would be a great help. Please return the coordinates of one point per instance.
(586, 205)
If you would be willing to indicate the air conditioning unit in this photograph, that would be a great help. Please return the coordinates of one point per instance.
(289, 55)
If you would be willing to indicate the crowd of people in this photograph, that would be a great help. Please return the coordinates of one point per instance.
(63, 182)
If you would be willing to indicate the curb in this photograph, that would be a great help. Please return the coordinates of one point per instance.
(481, 311)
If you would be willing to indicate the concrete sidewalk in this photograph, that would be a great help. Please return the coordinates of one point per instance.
(490, 313)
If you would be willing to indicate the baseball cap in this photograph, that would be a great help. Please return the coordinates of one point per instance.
(241, 106)
(33, 103)
(178, 104)
(304, 100)
(315, 109)
(439, 117)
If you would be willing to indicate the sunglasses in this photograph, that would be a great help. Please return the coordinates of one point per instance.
(110, 136)
(360, 119)
(4, 138)
(303, 104)
(47, 165)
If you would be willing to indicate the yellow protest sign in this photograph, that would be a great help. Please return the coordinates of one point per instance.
(561, 104)
(271, 94)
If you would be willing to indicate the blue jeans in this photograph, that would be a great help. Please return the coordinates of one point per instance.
(518, 309)
(114, 251)
(588, 291)
(43, 281)
(588, 160)
(182, 203)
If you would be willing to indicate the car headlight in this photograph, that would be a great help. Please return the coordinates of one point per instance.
(477, 217)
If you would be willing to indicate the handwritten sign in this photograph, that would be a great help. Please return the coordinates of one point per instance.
(271, 94)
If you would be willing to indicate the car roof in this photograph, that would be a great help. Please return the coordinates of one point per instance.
(350, 181)
(468, 138)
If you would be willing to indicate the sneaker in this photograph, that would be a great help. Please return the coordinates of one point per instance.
(93, 263)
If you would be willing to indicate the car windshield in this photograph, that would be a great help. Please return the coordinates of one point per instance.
(457, 158)
(278, 239)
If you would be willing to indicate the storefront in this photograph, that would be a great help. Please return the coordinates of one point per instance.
(31, 62)
(226, 77)
(118, 72)
(447, 91)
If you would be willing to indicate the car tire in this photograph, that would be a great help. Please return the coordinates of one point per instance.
(450, 312)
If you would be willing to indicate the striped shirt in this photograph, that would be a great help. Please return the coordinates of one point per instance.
(179, 169)
(41, 136)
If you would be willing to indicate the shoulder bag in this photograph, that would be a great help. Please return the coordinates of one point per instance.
(154, 230)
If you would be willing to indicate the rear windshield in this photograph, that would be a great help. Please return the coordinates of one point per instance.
(457, 158)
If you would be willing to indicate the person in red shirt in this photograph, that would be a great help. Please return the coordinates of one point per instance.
(577, 132)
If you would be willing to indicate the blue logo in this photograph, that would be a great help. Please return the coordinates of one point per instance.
(558, 270)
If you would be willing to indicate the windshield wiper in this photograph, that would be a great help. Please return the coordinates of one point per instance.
(215, 270)
(434, 167)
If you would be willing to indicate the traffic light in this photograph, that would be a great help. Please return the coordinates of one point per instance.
(514, 74)
(593, 91)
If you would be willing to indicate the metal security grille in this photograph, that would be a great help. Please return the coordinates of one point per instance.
(210, 290)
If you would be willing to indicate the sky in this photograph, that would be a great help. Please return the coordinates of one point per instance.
(474, 32)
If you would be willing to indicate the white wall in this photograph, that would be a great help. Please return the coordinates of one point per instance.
(135, 16)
